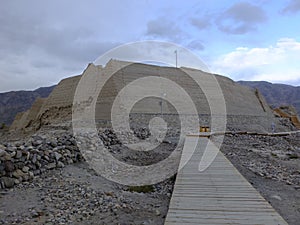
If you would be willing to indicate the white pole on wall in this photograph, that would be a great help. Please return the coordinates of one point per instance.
(176, 57)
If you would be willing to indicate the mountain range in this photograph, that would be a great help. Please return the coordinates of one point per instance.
(14, 102)
(277, 94)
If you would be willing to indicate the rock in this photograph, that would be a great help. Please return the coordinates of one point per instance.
(9, 166)
(2, 152)
(6, 157)
(25, 169)
(53, 144)
(38, 164)
(2, 168)
(19, 165)
(17, 181)
(28, 156)
(288, 182)
(31, 175)
(277, 197)
(51, 166)
(57, 156)
(67, 153)
(34, 159)
(60, 164)
(8, 182)
(46, 158)
(22, 147)
(13, 154)
(38, 158)
(11, 149)
(25, 177)
(157, 212)
(29, 148)
(18, 155)
(18, 144)
(18, 174)
(36, 143)
(68, 143)
(36, 172)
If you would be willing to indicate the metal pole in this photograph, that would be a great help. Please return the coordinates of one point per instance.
(176, 57)
(161, 105)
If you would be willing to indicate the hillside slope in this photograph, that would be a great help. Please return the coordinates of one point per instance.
(277, 94)
(14, 102)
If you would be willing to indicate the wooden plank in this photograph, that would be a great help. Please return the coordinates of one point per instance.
(209, 134)
(218, 195)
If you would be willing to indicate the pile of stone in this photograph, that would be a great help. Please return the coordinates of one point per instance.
(275, 158)
(108, 137)
(21, 161)
(142, 133)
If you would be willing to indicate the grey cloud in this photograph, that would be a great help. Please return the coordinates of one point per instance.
(34, 53)
(241, 18)
(163, 28)
(200, 23)
(41, 41)
(292, 7)
(49, 41)
(73, 45)
(195, 45)
(48, 44)
(29, 35)
(39, 63)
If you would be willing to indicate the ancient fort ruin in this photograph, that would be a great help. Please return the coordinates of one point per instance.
(246, 109)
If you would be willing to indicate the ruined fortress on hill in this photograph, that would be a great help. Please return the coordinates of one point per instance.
(246, 108)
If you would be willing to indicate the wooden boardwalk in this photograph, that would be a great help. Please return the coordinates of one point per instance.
(218, 195)
(209, 134)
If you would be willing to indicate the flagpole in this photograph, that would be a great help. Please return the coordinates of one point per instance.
(176, 57)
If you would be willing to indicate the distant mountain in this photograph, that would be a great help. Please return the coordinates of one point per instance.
(277, 94)
(14, 102)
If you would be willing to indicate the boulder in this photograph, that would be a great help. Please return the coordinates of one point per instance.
(8, 182)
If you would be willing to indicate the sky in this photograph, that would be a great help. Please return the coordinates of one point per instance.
(42, 42)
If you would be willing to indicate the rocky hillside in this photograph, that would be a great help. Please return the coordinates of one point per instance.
(277, 94)
(14, 102)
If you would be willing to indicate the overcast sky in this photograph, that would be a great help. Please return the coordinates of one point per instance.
(42, 42)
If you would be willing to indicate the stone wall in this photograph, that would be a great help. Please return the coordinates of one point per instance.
(16, 125)
(242, 102)
(24, 120)
(35, 109)
(62, 95)
(21, 161)
(239, 100)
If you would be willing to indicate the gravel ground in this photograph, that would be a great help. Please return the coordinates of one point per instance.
(76, 195)
(272, 166)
